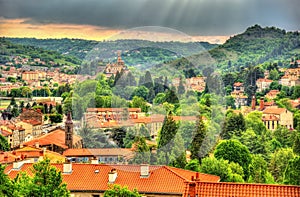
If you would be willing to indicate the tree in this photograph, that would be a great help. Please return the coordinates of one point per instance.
(140, 102)
(296, 93)
(274, 75)
(165, 139)
(47, 181)
(171, 96)
(234, 151)
(142, 151)
(296, 146)
(55, 118)
(292, 172)
(258, 170)
(4, 146)
(198, 150)
(6, 188)
(278, 163)
(228, 172)
(148, 80)
(234, 125)
(181, 88)
(141, 91)
(193, 165)
(118, 191)
(178, 156)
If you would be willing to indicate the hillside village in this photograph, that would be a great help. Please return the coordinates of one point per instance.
(146, 131)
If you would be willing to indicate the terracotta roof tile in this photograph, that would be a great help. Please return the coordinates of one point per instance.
(56, 137)
(96, 152)
(209, 189)
(162, 179)
(274, 111)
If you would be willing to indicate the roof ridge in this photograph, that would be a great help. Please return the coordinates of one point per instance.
(169, 168)
(258, 184)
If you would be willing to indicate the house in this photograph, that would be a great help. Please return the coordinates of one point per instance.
(31, 154)
(263, 84)
(200, 188)
(238, 95)
(94, 179)
(33, 128)
(102, 155)
(272, 94)
(18, 133)
(59, 139)
(274, 117)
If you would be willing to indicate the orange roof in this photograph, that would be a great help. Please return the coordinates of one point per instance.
(56, 137)
(7, 157)
(5, 133)
(90, 152)
(113, 109)
(274, 111)
(94, 177)
(270, 118)
(238, 84)
(264, 80)
(33, 122)
(209, 189)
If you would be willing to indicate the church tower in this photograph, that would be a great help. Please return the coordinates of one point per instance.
(69, 131)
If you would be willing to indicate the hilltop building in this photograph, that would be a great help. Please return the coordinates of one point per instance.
(113, 68)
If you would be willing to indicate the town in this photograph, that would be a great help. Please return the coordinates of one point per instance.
(155, 134)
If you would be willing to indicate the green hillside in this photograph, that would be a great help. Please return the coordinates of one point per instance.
(134, 51)
(9, 50)
(257, 45)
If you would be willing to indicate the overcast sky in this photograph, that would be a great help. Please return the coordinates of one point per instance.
(194, 17)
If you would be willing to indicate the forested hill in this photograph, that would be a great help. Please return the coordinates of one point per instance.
(9, 50)
(257, 45)
(156, 50)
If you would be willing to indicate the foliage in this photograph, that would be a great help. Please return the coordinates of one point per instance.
(193, 165)
(234, 151)
(4, 146)
(292, 172)
(234, 125)
(55, 118)
(142, 151)
(228, 172)
(119, 191)
(198, 145)
(166, 139)
(278, 163)
(6, 188)
(94, 138)
(258, 170)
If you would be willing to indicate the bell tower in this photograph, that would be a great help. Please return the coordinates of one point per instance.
(69, 131)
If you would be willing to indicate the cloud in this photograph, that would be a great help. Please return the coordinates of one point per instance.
(195, 17)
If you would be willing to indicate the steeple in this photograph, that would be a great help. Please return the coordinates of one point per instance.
(69, 131)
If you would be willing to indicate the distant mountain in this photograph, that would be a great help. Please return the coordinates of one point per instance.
(134, 51)
(256, 45)
(9, 50)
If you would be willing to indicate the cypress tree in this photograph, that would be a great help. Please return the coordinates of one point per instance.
(199, 136)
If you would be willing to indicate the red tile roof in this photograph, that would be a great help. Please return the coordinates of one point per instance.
(5, 133)
(56, 137)
(113, 109)
(90, 152)
(94, 177)
(210, 189)
(264, 80)
(274, 111)
(270, 118)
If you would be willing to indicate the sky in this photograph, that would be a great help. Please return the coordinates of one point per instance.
(208, 20)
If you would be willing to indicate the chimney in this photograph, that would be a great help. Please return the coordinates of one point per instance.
(112, 176)
(18, 164)
(67, 167)
(197, 176)
(261, 104)
(144, 170)
(21, 145)
(5, 158)
(37, 144)
(253, 103)
(94, 160)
